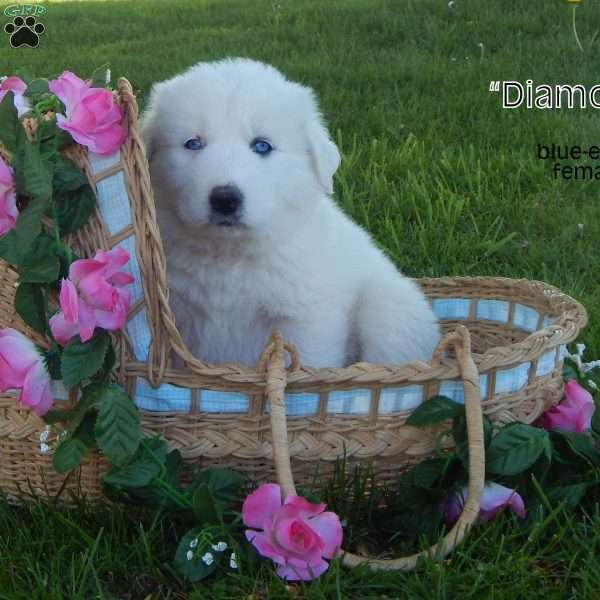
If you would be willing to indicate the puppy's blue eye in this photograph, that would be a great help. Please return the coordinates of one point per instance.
(194, 144)
(261, 146)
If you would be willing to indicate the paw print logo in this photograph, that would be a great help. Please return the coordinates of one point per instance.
(24, 32)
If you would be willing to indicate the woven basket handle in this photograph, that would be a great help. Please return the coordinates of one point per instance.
(274, 364)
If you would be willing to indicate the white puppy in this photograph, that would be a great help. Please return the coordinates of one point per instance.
(242, 167)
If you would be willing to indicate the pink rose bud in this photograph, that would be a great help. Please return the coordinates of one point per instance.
(93, 296)
(575, 411)
(493, 499)
(23, 368)
(296, 534)
(92, 117)
(17, 87)
(8, 199)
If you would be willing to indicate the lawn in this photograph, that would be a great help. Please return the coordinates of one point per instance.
(447, 182)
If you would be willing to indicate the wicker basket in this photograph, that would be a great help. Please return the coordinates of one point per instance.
(219, 414)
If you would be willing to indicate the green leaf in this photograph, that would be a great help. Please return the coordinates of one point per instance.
(118, 430)
(224, 485)
(81, 360)
(570, 494)
(195, 569)
(132, 475)
(427, 473)
(69, 454)
(71, 451)
(56, 415)
(8, 248)
(205, 506)
(74, 208)
(34, 175)
(146, 464)
(68, 177)
(109, 360)
(40, 264)
(435, 410)
(515, 448)
(582, 445)
(9, 122)
(459, 433)
(29, 224)
(37, 87)
(31, 304)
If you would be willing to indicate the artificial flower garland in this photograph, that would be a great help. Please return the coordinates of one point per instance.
(74, 302)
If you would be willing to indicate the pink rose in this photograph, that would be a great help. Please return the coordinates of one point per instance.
(22, 368)
(575, 411)
(17, 87)
(296, 535)
(493, 499)
(93, 296)
(93, 119)
(8, 199)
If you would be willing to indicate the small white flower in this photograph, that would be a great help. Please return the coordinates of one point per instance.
(580, 348)
(44, 448)
(220, 547)
(590, 366)
(208, 559)
(194, 543)
(44, 435)
(233, 561)
(189, 555)
(451, 4)
(107, 77)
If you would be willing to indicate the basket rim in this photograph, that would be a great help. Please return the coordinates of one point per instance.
(565, 329)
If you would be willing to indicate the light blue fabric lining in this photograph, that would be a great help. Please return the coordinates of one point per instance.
(212, 401)
(113, 203)
(492, 310)
(166, 398)
(303, 404)
(355, 402)
(525, 318)
(546, 363)
(511, 380)
(451, 308)
(399, 399)
(101, 163)
(455, 390)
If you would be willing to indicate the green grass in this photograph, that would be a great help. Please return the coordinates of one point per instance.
(447, 182)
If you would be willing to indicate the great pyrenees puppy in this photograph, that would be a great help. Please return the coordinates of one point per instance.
(242, 167)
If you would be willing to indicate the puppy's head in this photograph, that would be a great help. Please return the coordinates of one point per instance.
(235, 146)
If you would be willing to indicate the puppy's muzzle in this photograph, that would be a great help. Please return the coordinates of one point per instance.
(226, 200)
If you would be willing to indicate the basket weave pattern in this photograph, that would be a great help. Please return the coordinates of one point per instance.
(518, 330)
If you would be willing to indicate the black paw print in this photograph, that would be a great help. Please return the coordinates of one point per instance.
(24, 32)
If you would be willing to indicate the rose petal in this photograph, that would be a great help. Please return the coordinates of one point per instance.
(36, 389)
(303, 506)
(261, 504)
(87, 321)
(62, 331)
(294, 573)
(328, 527)
(264, 547)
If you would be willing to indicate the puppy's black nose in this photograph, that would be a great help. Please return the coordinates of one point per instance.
(226, 199)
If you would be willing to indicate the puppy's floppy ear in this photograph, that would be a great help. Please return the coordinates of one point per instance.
(324, 153)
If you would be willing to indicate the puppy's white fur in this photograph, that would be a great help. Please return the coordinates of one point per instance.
(294, 262)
